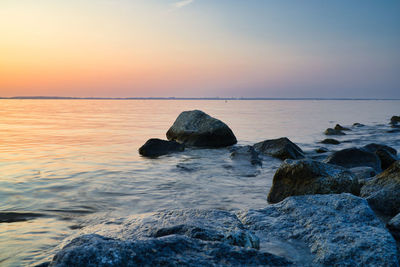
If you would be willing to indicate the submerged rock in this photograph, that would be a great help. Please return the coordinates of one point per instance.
(338, 230)
(330, 141)
(357, 124)
(9, 217)
(281, 148)
(182, 237)
(383, 192)
(196, 128)
(354, 157)
(156, 147)
(247, 154)
(309, 177)
(339, 127)
(331, 131)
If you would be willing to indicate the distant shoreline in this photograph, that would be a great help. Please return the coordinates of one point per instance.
(184, 98)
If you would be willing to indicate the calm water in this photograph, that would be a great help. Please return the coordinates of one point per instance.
(75, 161)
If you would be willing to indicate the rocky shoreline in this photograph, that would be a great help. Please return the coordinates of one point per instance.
(339, 208)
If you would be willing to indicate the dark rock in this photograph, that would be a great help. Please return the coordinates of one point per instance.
(321, 150)
(383, 192)
(339, 127)
(196, 128)
(156, 147)
(330, 141)
(331, 131)
(246, 153)
(393, 131)
(9, 217)
(281, 148)
(356, 124)
(374, 147)
(386, 154)
(354, 157)
(395, 120)
(394, 226)
(309, 177)
(338, 230)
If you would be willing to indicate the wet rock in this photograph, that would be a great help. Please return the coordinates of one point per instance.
(339, 127)
(330, 141)
(354, 157)
(196, 128)
(309, 177)
(156, 147)
(331, 131)
(321, 150)
(356, 124)
(386, 154)
(395, 120)
(247, 154)
(173, 238)
(281, 148)
(394, 226)
(338, 230)
(383, 192)
(373, 147)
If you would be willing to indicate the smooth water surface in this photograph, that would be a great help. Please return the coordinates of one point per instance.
(71, 162)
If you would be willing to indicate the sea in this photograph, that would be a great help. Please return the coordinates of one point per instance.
(66, 164)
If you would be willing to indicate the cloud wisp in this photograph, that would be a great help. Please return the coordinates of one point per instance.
(182, 3)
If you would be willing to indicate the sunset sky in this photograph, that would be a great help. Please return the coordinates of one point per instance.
(200, 48)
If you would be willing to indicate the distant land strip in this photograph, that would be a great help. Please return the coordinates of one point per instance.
(192, 98)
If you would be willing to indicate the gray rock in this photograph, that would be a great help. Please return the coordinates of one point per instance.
(394, 226)
(354, 157)
(330, 141)
(196, 128)
(308, 177)
(182, 237)
(156, 147)
(383, 192)
(338, 230)
(321, 150)
(339, 127)
(246, 153)
(331, 131)
(281, 148)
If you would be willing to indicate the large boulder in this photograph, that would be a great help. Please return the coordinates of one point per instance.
(337, 230)
(196, 128)
(308, 177)
(354, 157)
(156, 147)
(387, 154)
(383, 192)
(373, 147)
(281, 148)
(189, 237)
(331, 131)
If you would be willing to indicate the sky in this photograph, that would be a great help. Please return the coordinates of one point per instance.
(200, 48)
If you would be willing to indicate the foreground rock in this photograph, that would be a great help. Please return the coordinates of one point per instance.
(386, 154)
(354, 157)
(308, 177)
(338, 230)
(383, 192)
(281, 148)
(330, 141)
(331, 131)
(339, 127)
(246, 154)
(174, 238)
(196, 128)
(156, 147)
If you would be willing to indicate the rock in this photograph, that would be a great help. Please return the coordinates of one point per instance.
(10, 217)
(246, 153)
(321, 150)
(174, 238)
(393, 131)
(394, 226)
(339, 127)
(374, 147)
(362, 173)
(330, 141)
(156, 147)
(383, 192)
(338, 230)
(354, 157)
(331, 131)
(309, 177)
(196, 128)
(281, 148)
(394, 120)
(356, 124)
